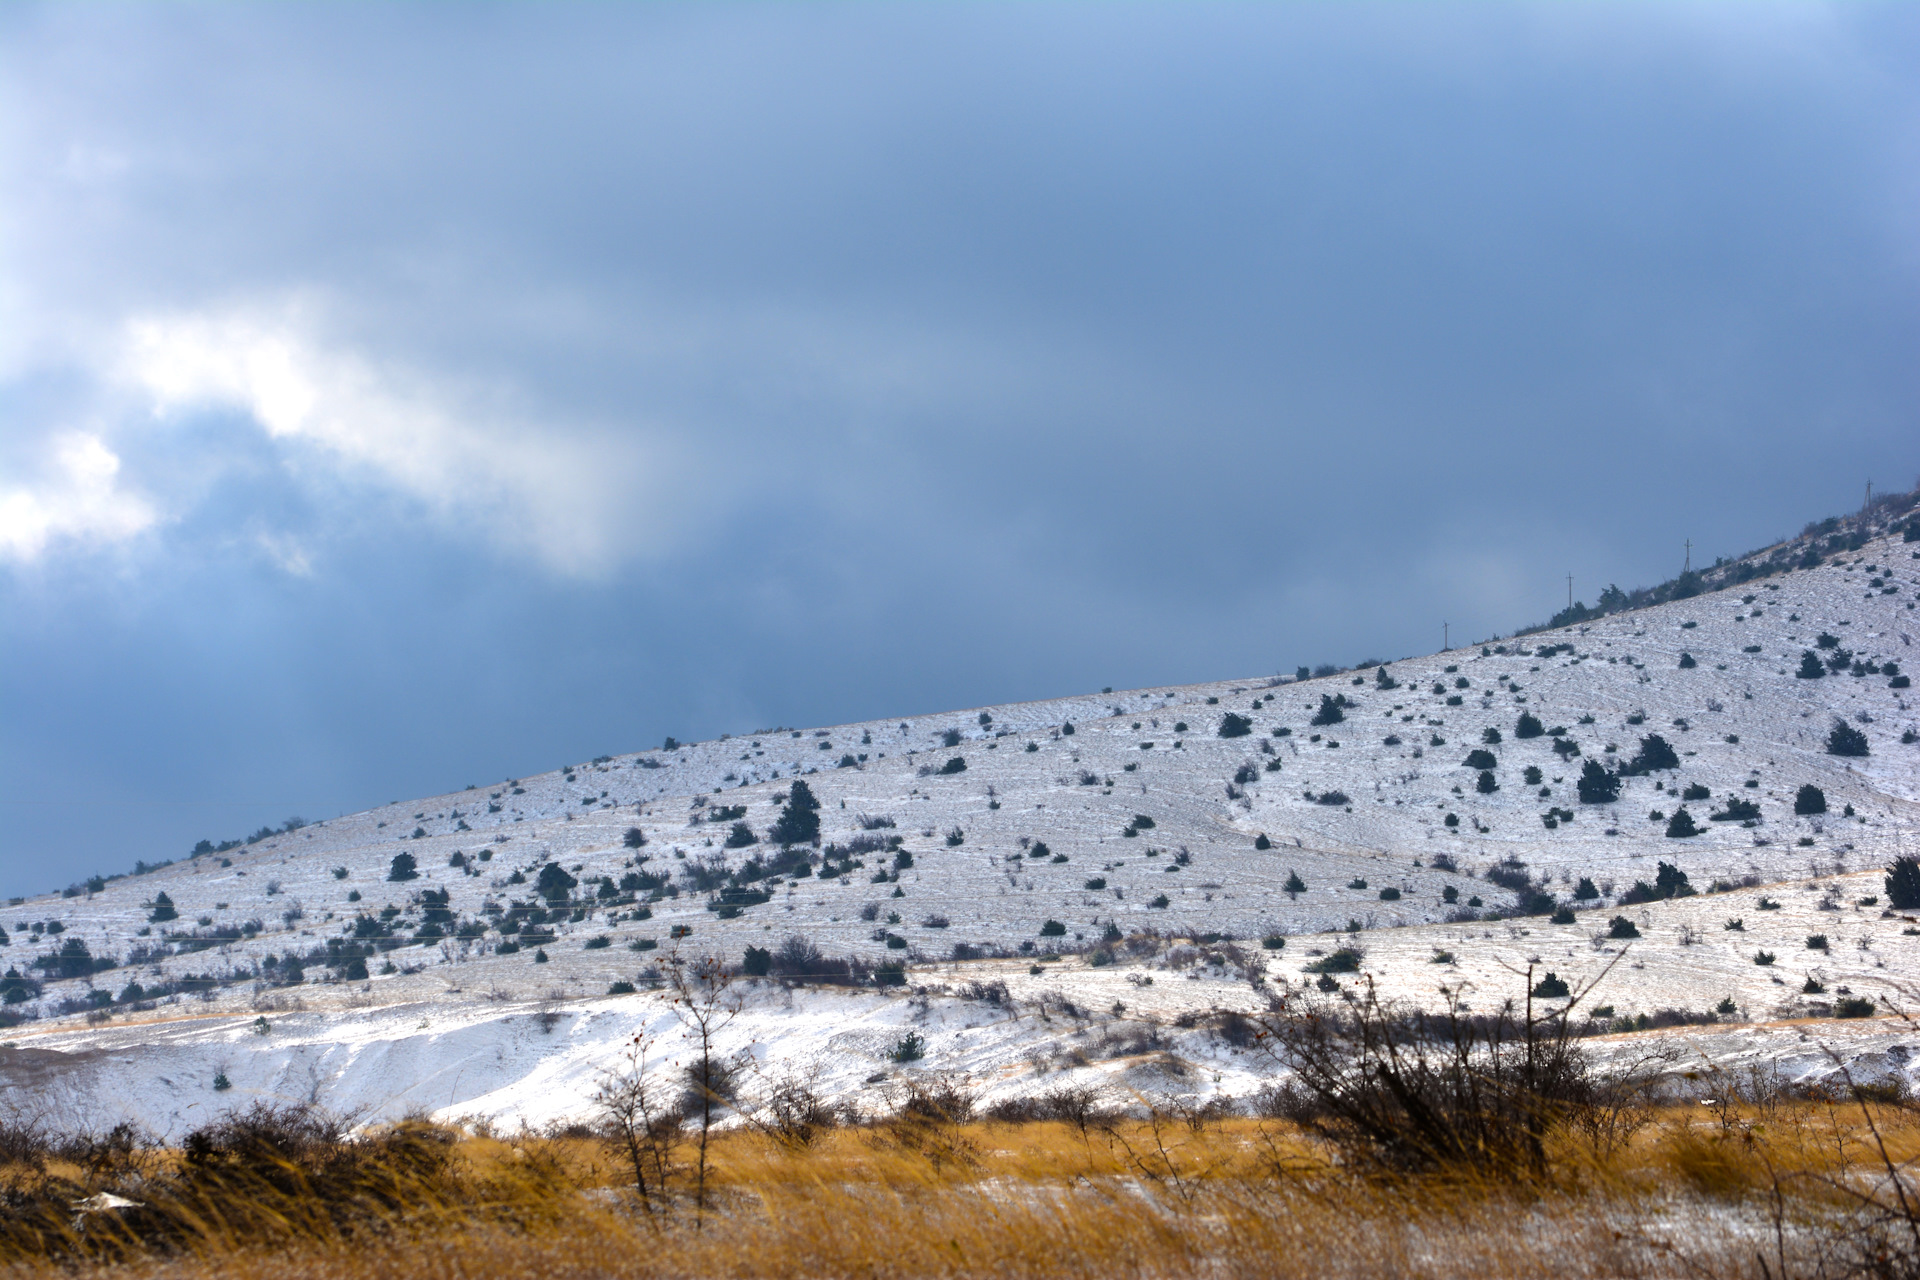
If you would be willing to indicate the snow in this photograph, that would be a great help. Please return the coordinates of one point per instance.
(461, 1030)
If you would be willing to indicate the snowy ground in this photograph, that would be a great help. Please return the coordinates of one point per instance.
(460, 1027)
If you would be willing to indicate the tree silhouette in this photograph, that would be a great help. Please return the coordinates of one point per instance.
(799, 822)
(1845, 740)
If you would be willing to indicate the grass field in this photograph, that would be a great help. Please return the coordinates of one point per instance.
(1768, 1186)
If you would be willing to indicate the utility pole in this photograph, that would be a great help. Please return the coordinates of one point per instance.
(1569, 591)
(1688, 566)
(1869, 502)
(1445, 638)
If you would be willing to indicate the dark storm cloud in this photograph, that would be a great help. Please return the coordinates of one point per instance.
(395, 398)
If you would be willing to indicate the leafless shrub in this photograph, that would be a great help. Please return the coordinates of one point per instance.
(790, 1113)
(644, 1122)
(929, 1115)
(1407, 1090)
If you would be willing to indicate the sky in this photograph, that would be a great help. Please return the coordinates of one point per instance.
(400, 397)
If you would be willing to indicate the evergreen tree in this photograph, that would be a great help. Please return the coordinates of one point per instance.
(402, 868)
(1655, 753)
(1670, 881)
(1903, 884)
(1233, 725)
(553, 883)
(1845, 740)
(1295, 885)
(1810, 800)
(1680, 826)
(1529, 726)
(799, 822)
(1598, 784)
(1486, 785)
(1811, 668)
(162, 909)
(1329, 712)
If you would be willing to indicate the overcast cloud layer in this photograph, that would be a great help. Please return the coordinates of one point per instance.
(396, 398)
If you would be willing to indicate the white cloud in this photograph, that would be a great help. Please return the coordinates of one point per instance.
(569, 494)
(80, 500)
(286, 553)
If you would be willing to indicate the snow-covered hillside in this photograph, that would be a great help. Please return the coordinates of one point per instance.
(1152, 828)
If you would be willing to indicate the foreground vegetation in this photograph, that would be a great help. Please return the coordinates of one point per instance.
(1769, 1192)
(1403, 1145)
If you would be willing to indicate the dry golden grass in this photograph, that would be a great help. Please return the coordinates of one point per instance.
(1692, 1192)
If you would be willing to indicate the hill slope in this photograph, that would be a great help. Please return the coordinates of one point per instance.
(1151, 815)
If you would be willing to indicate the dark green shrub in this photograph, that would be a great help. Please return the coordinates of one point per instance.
(1528, 726)
(1621, 927)
(1687, 662)
(1903, 884)
(1486, 785)
(1294, 885)
(1344, 960)
(634, 839)
(1811, 668)
(1329, 712)
(1389, 895)
(1233, 725)
(1598, 784)
(1681, 825)
(1053, 929)
(1845, 740)
(1737, 810)
(162, 908)
(1585, 890)
(402, 868)
(1853, 1006)
(758, 962)
(1261, 842)
(1479, 758)
(1552, 987)
(1562, 915)
(553, 883)
(1655, 753)
(957, 764)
